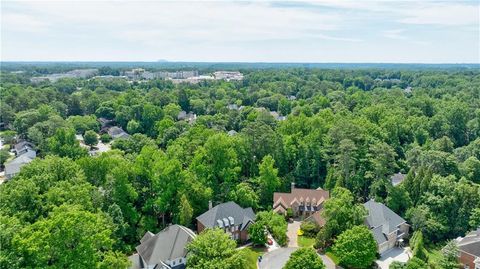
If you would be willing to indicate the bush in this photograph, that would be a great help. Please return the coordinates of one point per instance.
(310, 229)
(105, 138)
(275, 224)
(304, 258)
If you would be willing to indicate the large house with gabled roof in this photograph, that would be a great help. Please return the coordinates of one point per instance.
(164, 250)
(387, 227)
(230, 217)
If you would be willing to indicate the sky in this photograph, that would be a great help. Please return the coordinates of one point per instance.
(320, 31)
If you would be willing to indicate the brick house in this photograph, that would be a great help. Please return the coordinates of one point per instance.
(469, 250)
(387, 227)
(304, 203)
(230, 217)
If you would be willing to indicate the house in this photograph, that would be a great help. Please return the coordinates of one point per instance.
(303, 202)
(13, 167)
(232, 107)
(164, 250)
(317, 218)
(397, 178)
(277, 116)
(230, 217)
(104, 122)
(22, 147)
(190, 116)
(469, 250)
(387, 227)
(117, 132)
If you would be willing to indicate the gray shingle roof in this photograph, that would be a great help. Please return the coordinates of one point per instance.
(13, 167)
(470, 243)
(169, 244)
(241, 216)
(397, 178)
(381, 216)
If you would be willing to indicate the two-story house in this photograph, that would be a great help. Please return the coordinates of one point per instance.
(164, 250)
(304, 203)
(387, 227)
(469, 250)
(230, 217)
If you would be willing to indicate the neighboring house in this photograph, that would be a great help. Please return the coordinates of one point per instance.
(117, 132)
(190, 116)
(397, 178)
(104, 122)
(469, 250)
(304, 203)
(277, 116)
(22, 147)
(387, 227)
(230, 217)
(317, 218)
(13, 167)
(232, 106)
(164, 250)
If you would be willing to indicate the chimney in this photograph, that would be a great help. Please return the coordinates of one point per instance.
(209, 204)
(292, 186)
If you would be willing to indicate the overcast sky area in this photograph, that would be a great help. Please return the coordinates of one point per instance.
(318, 31)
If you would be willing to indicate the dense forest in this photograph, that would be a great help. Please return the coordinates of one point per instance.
(349, 128)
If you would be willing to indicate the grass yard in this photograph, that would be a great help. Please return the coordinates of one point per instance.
(434, 254)
(305, 242)
(332, 256)
(252, 256)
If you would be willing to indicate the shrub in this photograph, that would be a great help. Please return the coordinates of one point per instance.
(309, 228)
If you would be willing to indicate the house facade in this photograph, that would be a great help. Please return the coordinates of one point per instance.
(230, 217)
(388, 228)
(303, 202)
(164, 250)
(469, 250)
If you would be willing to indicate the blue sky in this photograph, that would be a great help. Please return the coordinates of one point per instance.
(255, 31)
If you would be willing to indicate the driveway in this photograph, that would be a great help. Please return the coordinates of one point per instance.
(329, 264)
(276, 259)
(292, 233)
(395, 254)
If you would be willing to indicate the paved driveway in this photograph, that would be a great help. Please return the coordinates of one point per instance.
(329, 264)
(292, 233)
(395, 254)
(276, 259)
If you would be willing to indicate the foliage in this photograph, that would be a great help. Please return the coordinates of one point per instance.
(257, 233)
(356, 247)
(309, 228)
(214, 249)
(50, 242)
(304, 258)
(90, 138)
(275, 224)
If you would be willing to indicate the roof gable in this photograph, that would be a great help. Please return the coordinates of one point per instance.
(229, 211)
(380, 215)
(169, 244)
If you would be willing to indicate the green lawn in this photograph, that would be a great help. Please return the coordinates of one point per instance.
(252, 256)
(434, 254)
(332, 256)
(304, 241)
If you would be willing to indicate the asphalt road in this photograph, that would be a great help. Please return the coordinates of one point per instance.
(276, 259)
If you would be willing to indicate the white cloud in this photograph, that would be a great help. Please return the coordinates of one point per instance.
(448, 14)
(395, 34)
(243, 31)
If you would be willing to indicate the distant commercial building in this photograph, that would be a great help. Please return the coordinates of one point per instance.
(77, 73)
(228, 75)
